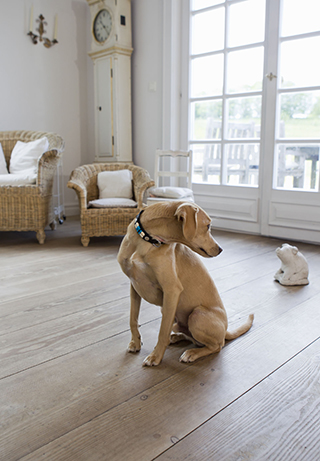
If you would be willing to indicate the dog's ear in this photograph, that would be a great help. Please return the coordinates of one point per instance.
(187, 213)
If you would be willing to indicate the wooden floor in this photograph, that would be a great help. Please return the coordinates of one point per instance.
(70, 391)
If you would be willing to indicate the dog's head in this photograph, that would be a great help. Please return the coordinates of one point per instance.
(196, 230)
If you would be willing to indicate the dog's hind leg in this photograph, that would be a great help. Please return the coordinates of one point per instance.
(206, 329)
(191, 355)
(135, 302)
(179, 333)
(177, 337)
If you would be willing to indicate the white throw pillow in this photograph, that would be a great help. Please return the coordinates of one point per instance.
(113, 203)
(25, 155)
(113, 184)
(171, 192)
(17, 179)
(3, 163)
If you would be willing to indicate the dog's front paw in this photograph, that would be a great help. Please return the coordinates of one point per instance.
(151, 360)
(134, 346)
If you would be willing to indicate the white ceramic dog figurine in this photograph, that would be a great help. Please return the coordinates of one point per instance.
(294, 267)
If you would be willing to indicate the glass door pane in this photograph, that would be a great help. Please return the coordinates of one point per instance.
(297, 166)
(244, 117)
(245, 70)
(207, 76)
(299, 66)
(208, 31)
(246, 23)
(299, 115)
(300, 17)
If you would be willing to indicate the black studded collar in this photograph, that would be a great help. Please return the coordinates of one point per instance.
(143, 234)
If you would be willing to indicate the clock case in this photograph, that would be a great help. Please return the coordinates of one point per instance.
(112, 83)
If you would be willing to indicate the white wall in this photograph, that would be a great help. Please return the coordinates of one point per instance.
(47, 89)
(159, 88)
(146, 81)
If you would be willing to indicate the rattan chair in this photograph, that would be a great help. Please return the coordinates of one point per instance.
(29, 207)
(98, 222)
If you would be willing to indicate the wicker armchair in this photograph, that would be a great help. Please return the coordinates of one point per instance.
(98, 222)
(29, 207)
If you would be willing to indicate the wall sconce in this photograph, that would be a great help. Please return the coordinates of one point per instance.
(41, 20)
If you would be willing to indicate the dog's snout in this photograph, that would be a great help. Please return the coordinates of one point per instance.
(214, 251)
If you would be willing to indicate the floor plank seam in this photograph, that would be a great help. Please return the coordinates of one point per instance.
(61, 316)
(77, 350)
(55, 289)
(284, 312)
(249, 282)
(64, 355)
(268, 251)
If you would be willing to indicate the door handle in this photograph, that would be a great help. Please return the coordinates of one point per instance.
(271, 76)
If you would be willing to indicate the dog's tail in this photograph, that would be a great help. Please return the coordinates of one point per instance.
(241, 330)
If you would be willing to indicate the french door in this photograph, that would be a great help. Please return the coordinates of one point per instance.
(254, 112)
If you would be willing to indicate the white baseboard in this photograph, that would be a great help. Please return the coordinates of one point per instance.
(71, 209)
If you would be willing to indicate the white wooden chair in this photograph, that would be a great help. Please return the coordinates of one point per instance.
(172, 176)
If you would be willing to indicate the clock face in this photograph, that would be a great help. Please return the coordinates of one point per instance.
(102, 26)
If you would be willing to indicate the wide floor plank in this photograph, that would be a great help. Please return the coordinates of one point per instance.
(277, 419)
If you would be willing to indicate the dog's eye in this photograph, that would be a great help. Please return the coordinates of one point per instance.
(209, 225)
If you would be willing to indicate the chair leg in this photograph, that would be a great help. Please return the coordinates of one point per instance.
(85, 241)
(41, 236)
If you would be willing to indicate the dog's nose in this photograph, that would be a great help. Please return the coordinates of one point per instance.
(220, 250)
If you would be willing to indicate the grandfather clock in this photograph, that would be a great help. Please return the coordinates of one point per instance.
(111, 50)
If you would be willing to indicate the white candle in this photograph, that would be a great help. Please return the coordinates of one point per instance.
(55, 34)
(31, 19)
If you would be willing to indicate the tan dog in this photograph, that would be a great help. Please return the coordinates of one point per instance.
(157, 254)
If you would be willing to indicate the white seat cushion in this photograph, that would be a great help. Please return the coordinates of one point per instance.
(153, 200)
(17, 179)
(171, 192)
(3, 163)
(114, 202)
(115, 184)
(25, 155)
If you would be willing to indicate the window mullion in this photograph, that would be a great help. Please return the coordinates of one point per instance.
(224, 165)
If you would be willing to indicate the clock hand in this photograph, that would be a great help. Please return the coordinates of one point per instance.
(99, 22)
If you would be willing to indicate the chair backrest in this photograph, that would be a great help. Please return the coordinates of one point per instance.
(174, 166)
(236, 131)
(241, 157)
